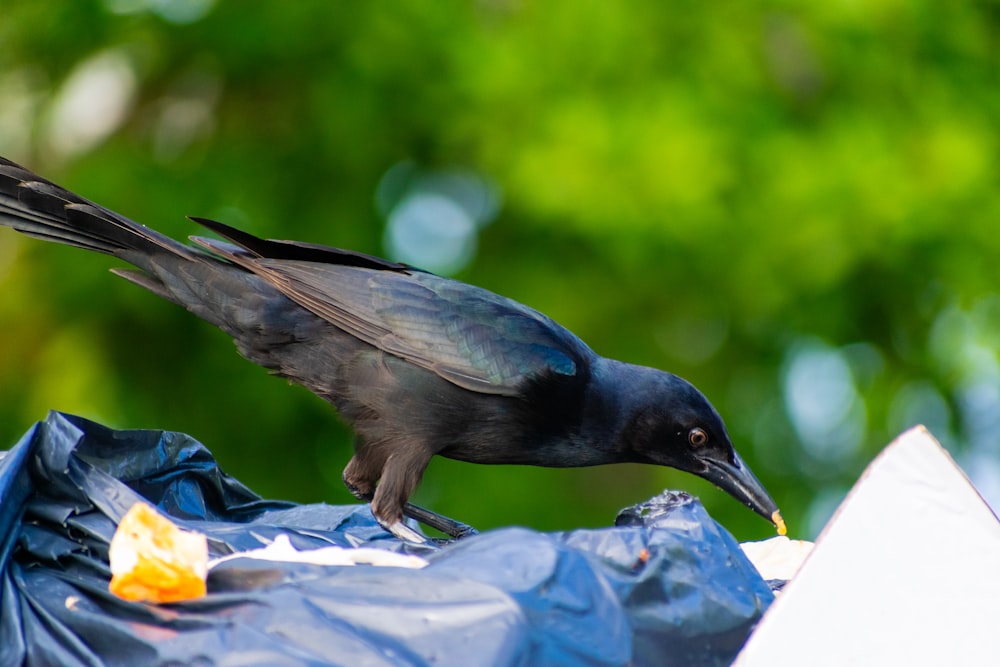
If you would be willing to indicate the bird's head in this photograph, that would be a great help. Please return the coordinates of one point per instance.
(671, 423)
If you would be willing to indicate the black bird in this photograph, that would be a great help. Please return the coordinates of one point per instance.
(417, 364)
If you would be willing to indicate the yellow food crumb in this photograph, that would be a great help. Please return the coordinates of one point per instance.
(779, 523)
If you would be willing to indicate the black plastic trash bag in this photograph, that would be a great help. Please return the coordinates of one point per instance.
(669, 587)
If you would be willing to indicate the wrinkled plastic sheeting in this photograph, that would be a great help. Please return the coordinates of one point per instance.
(667, 586)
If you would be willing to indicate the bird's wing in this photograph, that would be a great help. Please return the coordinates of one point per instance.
(470, 336)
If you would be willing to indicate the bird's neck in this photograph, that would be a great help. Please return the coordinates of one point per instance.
(610, 402)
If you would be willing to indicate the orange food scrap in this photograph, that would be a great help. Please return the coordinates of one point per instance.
(153, 560)
(779, 523)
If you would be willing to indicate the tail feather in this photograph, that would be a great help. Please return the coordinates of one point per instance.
(260, 319)
(37, 207)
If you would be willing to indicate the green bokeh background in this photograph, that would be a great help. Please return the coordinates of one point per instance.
(793, 205)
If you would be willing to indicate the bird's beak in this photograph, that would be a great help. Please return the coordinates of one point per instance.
(738, 480)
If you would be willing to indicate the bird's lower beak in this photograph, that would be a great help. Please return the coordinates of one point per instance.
(738, 480)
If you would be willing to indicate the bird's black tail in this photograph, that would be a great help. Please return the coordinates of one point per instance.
(37, 207)
(240, 303)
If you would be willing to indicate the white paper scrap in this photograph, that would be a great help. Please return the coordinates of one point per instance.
(282, 550)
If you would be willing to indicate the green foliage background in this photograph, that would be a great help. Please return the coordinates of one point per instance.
(717, 189)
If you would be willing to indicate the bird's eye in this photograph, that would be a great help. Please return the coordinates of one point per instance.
(697, 437)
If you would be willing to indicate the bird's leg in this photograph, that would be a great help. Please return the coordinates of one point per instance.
(359, 480)
(360, 477)
(446, 525)
(400, 475)
(363, 472)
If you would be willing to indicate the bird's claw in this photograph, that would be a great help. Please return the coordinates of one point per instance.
(465, 531)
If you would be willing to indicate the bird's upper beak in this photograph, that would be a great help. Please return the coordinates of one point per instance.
(739, 481)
